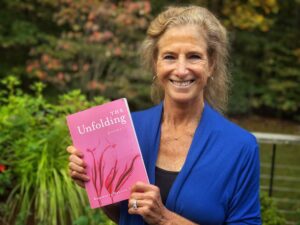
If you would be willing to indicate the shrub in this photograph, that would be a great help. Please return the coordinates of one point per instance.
(33, 140)
(269, 212)
(94, 49)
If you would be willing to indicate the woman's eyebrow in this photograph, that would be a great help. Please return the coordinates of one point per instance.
(195, 52)
(167, 52)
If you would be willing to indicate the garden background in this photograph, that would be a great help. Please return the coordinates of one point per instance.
(61, 56)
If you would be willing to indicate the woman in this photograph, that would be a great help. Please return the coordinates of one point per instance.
(203, 169)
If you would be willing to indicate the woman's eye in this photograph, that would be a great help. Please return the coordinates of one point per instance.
(168, 57)
(194, 56)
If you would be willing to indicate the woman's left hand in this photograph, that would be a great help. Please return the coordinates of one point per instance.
(149, 204)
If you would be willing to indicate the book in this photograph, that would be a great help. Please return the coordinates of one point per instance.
(105, 135)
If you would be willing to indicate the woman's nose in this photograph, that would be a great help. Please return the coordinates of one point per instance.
(181, 68)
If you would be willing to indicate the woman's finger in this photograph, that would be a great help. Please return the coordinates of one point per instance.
(144, 208)
(72, 150)
(79, 183)
(138, 203)
(143, 187)
(76, 160)
(141, 195)
(79, 176)
(75, 167)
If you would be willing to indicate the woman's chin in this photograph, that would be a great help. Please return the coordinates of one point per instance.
(183, 99)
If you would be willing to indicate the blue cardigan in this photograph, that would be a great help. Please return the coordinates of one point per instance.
(219, 181)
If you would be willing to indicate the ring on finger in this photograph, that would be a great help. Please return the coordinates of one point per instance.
(134, 204)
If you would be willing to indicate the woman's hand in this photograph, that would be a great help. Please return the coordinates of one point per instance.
(77, 166)
(149, 203)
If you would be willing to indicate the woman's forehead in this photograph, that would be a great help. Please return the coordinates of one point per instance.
(187, 34)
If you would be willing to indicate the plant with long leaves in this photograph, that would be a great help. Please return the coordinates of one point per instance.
(33, 139)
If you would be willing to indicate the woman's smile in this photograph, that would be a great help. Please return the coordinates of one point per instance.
(182, 83)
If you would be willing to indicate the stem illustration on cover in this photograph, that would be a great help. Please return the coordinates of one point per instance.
(97, 172)
(125, 175)
(109, 180)
(94, 174)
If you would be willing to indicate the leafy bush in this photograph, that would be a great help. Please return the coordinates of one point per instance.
(95, 218)
(96, 49)
(5, 186)
(269, 211)
(266, 66)
(33, 139)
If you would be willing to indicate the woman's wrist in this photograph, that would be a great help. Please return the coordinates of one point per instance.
(171, 218)
(166, 217)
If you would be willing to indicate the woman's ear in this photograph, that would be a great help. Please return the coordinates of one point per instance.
(211, 66)
(154, 64)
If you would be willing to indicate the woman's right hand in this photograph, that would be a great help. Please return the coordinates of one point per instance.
(77, 166)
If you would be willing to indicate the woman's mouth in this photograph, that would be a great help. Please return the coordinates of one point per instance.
(183, 83)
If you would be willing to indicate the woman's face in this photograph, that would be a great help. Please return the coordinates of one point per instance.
(182, 64)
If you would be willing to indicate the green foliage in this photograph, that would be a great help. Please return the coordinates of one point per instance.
(95, 218)
(249, 15)
(22, 25)
(96, 50)
(5, 182)
(33, 139)
(266, 66)
(5, 187)
(269, 211)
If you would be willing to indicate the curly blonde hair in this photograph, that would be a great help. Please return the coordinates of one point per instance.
(216, 90)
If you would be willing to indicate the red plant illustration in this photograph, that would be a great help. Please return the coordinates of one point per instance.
(101, 167)
(110, 181)
(125, 175)
(94, 172)
(110, 178)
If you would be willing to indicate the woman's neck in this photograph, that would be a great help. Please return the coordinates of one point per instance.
(177, 115)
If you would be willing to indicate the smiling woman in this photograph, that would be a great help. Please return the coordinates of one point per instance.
(203, 169)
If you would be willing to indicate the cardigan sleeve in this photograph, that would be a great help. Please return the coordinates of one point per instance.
(244, 207)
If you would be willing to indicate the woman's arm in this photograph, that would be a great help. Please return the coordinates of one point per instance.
(171, 218)
(244, 207)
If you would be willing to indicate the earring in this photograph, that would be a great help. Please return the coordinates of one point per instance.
(212, 78)
(154, 78)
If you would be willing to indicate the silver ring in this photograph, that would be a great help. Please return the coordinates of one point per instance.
(134, 204)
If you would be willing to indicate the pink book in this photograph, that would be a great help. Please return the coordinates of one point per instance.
(106, 136)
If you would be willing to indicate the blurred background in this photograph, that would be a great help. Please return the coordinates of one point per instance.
(61, 56)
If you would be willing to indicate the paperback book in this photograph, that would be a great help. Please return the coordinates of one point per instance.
(106, 136)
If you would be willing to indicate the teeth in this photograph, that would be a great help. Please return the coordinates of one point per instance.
(182, 83)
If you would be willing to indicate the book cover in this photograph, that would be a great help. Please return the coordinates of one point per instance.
(106, 136)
